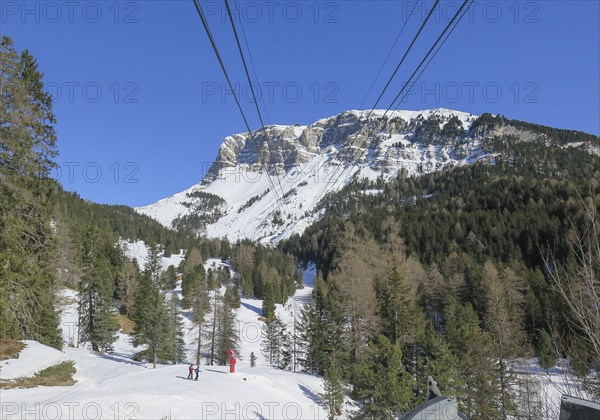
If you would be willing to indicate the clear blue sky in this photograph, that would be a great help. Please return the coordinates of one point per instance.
(141, 98)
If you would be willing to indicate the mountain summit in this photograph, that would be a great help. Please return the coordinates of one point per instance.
(267, 185)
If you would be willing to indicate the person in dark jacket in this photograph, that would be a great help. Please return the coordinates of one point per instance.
(191, 372)
(197, 372)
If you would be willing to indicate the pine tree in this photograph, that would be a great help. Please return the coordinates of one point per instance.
(333, 396)
(504, 322)
(169, 278)
(149, 312)
(394, 308)
(268, 306)
(480, 396)
(27, 198)
(226, 332)
(200, 304)
(176, 347)
(380, 380)
(97, 322)
(545, 351)
(272, 340)
(252, 359)
(232, 296)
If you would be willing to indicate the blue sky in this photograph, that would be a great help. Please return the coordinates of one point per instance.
(142, 105)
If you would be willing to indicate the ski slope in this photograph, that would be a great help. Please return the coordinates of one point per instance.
(115, 386)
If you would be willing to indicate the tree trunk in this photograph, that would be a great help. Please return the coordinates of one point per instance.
(199, 344)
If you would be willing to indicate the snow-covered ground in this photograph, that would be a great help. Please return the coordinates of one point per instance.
(115, 386)
(32, 359)
(138, 251)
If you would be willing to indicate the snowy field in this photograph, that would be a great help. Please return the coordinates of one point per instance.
(114, 386)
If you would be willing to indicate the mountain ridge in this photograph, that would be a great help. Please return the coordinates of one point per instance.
(267, 185)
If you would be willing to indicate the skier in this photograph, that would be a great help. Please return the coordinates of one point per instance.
(197, 372)
(191, 372)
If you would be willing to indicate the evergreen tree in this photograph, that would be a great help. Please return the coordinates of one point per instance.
(227, 334)
(149, 312)
(200, 304)
(380, 380)
(252, 359)
(394, 308)
(480, 396)
(232, 296)
(272, 340)
(169, 278)
(545, 351)
(176, 342)
(27, 197)
(97, 322)
(333, 396)
(268, 305)
(504, 321)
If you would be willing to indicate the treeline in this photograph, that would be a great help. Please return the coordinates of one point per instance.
(556, 135)
(450, 274)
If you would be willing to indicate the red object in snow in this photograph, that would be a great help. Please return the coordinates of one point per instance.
(232, 360)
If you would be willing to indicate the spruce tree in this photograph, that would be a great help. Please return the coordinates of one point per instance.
(545, 351)
(149, 312)
(176, 342)
(27, 197)
(381, 381)
(268, 306)
(273, 336)
(226, 332)
(333, 395)
(200, 304)
(97, 323)
(252, 359)
(480, 396)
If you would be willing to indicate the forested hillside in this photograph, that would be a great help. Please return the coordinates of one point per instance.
(455, 274)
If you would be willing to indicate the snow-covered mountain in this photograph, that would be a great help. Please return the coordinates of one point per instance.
(266, 186)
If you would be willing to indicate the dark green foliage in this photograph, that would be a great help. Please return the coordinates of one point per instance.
(150, 312)
(227, 337)
(168, 279)
(206, 208)
(253, 200)
(546, 352)
(232, 296)
(258, 266)
(100, 267)
(273, 336)
(480, 395)
(333, 395)
(268, 305)
(395, 312)
(174, 350)
(381, 381)
(453, 128)
(27, 196)
(193, 284)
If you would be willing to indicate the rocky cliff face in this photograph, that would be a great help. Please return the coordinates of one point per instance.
(267, 185)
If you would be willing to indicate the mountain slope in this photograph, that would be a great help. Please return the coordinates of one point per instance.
(238, 199)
